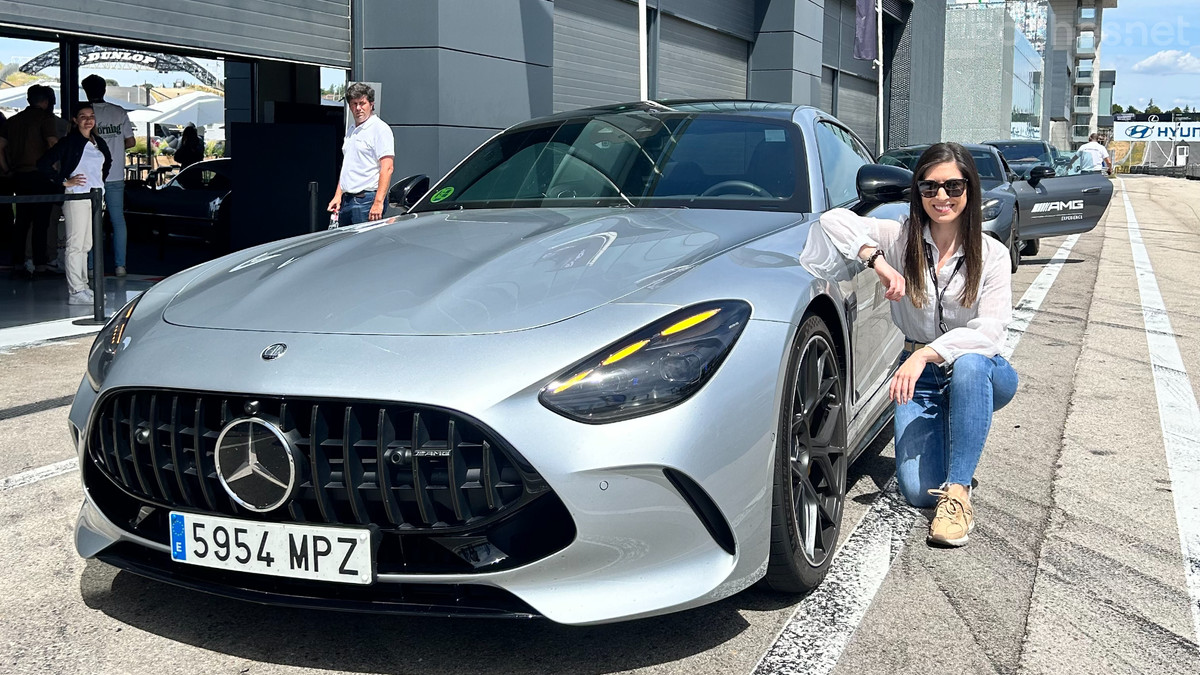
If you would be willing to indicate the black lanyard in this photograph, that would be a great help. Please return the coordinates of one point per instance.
(939, 294)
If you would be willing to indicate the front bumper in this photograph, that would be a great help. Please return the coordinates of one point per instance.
(640, 548)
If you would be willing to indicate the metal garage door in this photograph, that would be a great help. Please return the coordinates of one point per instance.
(696, 62)
(309, 31)
(856, 106)
(595, 53)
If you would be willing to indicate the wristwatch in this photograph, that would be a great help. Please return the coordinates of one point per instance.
(871, 261)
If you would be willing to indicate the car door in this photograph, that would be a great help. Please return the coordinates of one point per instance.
(874, 340)
(1062, 205)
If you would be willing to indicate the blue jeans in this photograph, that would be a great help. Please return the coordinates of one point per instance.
(356, 209)
(940, 433)
(114, 200)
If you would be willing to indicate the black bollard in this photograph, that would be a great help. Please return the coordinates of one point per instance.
(313, 219)
(96, 197)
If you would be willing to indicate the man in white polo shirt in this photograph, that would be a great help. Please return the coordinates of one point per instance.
(367, 159)
(1093, 156)
(114, 128)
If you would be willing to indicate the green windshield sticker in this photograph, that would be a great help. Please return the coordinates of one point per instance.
(441, 194)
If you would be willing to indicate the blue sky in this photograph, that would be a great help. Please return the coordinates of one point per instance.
(1154, 45)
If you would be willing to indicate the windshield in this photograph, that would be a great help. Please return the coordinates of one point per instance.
(633, 159)
(990, 171)
(902, 158)
(1025, 152)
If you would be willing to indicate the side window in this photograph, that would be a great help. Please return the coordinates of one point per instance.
(840, 160)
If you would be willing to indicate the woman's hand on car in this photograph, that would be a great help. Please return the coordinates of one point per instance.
(893, 281)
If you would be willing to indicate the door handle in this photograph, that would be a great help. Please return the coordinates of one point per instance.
(1091, 191)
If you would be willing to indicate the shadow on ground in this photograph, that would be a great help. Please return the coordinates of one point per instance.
(388, 643)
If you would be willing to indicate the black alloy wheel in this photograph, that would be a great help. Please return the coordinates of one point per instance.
(1014, 247)
(810, 464)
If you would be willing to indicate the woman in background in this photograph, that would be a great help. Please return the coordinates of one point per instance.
(79, 163)
(191, 148)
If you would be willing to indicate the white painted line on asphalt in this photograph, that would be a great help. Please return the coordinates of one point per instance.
(41, 332)
(812, 641)
(1025, 310)
(1177, 411)
(40, 473)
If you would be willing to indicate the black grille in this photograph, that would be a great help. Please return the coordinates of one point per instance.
(401, 467)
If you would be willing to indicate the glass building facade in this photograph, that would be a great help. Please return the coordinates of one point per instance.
(1027, 82)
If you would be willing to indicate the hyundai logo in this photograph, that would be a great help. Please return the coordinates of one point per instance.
(255, 464)
(1136, 131)
(274, 351)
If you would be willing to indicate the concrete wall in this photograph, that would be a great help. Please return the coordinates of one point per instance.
(977, 96)
(917, 76)
(455, 72)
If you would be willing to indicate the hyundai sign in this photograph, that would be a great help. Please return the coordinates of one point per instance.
(1156, 131)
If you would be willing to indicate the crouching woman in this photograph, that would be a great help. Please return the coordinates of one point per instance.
(951, 293)
(78, 163)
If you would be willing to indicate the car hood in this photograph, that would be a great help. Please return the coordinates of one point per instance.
(460, 272)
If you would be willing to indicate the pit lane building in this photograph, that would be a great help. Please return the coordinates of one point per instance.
(453, 72)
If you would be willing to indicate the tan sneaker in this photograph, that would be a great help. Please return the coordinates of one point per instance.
(953, 519)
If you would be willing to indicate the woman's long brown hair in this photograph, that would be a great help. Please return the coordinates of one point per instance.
(916, 272)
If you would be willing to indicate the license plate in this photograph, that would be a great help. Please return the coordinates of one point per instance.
(284, 550)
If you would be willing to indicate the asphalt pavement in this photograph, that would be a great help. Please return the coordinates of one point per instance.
(1089, 500)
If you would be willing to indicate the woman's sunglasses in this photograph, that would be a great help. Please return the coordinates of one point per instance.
(954, 187)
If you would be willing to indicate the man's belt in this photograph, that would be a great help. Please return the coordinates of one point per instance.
(913, 345)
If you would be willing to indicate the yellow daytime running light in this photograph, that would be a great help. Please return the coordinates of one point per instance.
(690, 321)
(572, 382)
(624, 352)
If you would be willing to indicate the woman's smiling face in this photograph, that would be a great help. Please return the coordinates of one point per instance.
(943, 208)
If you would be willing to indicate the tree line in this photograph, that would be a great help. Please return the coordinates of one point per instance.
(1151, 109)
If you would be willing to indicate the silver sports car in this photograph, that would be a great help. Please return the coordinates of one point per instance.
(608, 367)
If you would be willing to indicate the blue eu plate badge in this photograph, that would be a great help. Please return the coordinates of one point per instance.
(178, 547)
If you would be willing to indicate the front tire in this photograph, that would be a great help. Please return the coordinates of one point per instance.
(810, 464)
(1014, 248)
(1032, 246)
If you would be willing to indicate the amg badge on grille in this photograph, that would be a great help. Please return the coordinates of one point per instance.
(256, 464)
(274, 351)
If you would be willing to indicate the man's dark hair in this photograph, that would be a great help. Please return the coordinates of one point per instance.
(39, 93)
(359, 90)
(94, 86)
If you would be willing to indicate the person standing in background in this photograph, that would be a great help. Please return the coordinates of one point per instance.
(368, 155)
(79, 163)
(6, 188)
(114, 128)
(31, 133)
(191, 148)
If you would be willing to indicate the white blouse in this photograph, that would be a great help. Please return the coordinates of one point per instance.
(978, 329)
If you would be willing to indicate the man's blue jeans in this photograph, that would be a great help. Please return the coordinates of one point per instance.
(940, 433)
(356, 209)
(114, 201)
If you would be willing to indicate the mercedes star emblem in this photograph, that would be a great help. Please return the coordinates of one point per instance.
(256, 464)
(274, 351)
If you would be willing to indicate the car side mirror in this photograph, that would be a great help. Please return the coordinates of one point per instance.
(406, 191)
(880, 184)
(1039, 173)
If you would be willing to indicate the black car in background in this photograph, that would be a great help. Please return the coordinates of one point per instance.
(1021, 209)
(195, 204)
(1023, 155)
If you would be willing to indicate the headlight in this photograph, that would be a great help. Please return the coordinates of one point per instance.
(108, 344)
(992, 209)
(651, 370)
